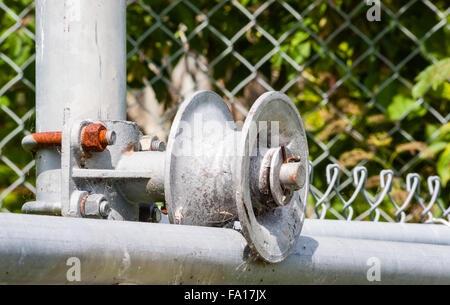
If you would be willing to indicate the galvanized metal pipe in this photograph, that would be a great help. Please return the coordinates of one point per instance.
(384, 231)
(81, 64)
(398, 232)
(80, 61)
(42, 207)
(37, 249)
(139, 189)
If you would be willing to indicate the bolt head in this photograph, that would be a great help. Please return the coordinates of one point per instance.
(151, 143)
(158, 145)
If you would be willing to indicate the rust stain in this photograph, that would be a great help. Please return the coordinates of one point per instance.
(93, 138)
(102, 137)
(283, 152)
(82, 204)
(293, 177)
(225, 213)
(293, 159)
(47, 138)
(129, 149)
(246, 209)
(164, 210)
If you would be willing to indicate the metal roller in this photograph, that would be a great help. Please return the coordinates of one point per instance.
(199, 188)
(216, 174)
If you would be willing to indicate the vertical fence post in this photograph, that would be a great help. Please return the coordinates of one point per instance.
(80, 64)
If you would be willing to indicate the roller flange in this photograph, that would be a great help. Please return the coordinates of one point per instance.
(272, 227)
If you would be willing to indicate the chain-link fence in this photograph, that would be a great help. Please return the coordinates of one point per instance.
(353, 68)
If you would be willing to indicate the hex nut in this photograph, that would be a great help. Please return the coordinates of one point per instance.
(95, 137)
(93, 206)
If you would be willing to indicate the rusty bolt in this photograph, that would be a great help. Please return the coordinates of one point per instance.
(95, 137)
(38, 140)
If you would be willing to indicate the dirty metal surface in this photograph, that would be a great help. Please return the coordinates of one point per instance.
(272, 233)
(199, 188)
(120, 252)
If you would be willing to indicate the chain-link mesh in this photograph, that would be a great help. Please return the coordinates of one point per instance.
(352, 79)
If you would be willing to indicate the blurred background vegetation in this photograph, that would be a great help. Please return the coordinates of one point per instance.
(370, 93)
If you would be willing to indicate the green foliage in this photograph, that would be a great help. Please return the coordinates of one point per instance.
(351, 90)
(352, 86)
(402, 105)
(435, 76)
(17, 49)
(443, 165)
(440, 147)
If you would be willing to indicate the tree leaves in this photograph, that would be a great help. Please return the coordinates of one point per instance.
(443, 165)
(432, 77)
(441, 143)
(401, 105)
